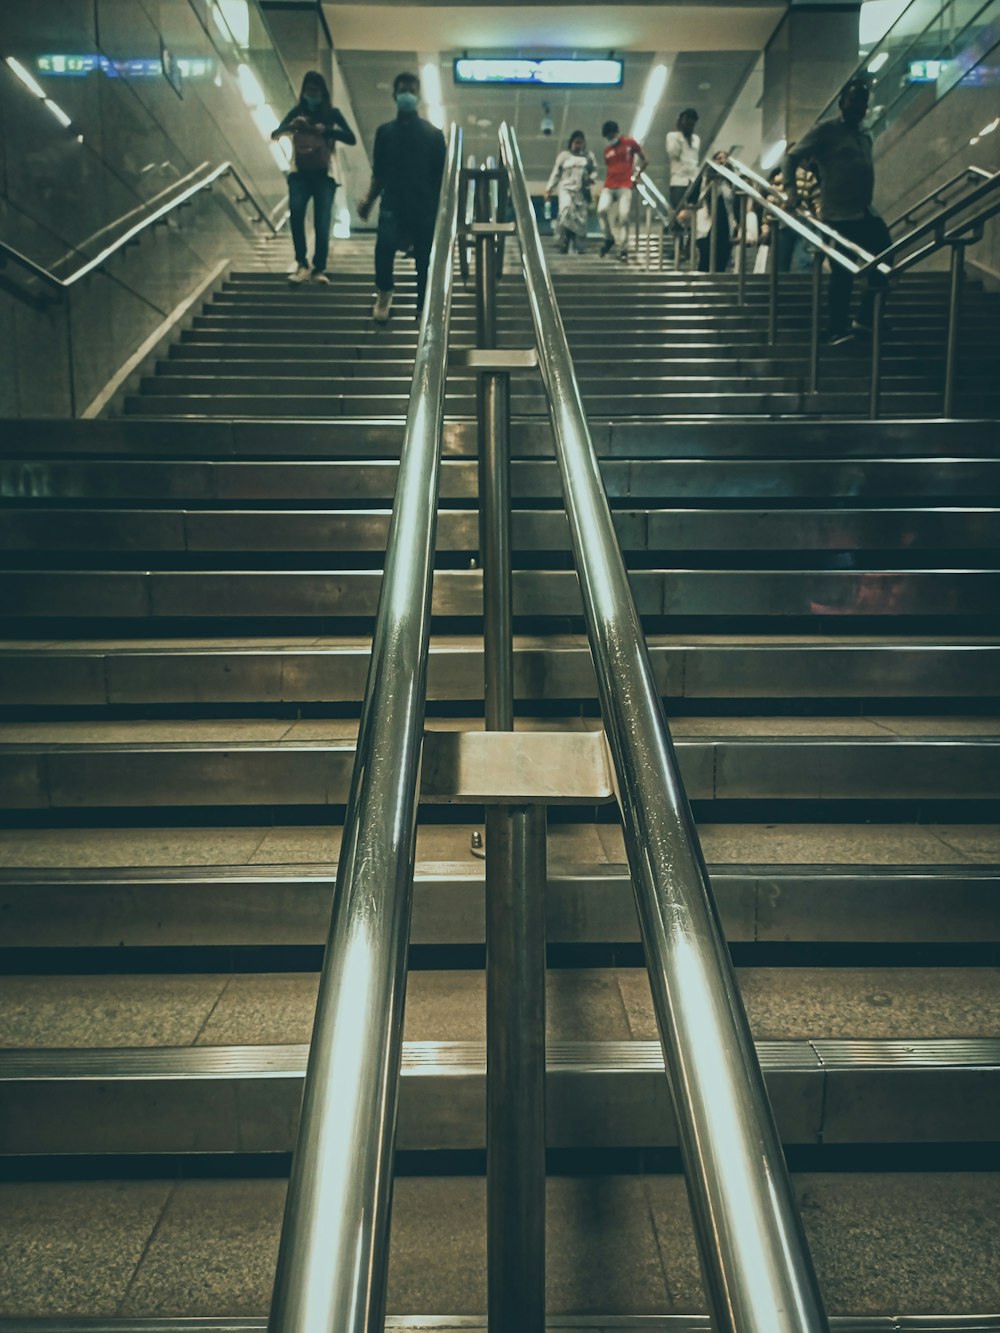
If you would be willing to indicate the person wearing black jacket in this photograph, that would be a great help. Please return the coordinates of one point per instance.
(314, 125)
(407, 167)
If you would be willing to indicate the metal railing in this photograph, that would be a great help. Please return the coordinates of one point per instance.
(334, 1244)
(61, 285)
(956, 224)
(758, 1272)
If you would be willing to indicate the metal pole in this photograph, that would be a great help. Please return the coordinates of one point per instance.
(772, 269)
(713, 233)
(951, 348)
(876, 354)
(741, 282)
(515, 903)
(817, 290)
(649, 236)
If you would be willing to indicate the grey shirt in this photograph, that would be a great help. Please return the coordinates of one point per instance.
(843, 156)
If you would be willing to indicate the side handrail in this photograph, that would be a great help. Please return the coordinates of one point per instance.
(935, 196)
(654, 197)
(64, 284)
(758, 1272)
(953, 236)
(335, 1236)
(817, 224)
(790, 220)
(934, 226)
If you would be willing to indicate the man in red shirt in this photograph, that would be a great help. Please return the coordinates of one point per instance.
(622, 156)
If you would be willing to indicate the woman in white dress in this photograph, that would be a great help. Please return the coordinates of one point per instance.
(574, 172)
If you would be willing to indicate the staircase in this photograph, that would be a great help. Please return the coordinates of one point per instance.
(188, 592)
(667, 344)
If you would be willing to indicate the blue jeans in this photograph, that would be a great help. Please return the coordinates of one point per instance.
(318, 186)
(394, 232)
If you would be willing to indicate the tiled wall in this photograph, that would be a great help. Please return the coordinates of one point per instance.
(61, 200)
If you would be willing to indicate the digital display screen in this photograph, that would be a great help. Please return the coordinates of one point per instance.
(548, 73)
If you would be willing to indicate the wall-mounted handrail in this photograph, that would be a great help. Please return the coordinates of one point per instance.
(64, 284)
(935, 196)
(758, 1273)
(895, 254)
(334, 1241)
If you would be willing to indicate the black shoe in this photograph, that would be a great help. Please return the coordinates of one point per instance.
(607, 246)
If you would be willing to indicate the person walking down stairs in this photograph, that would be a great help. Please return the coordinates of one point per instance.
(623, 157)
(842, 150)
(574, 172)
(315, 127)
(407, 167)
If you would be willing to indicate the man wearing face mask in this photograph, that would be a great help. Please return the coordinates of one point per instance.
(407, 167)
(623, 157)
(315, 127)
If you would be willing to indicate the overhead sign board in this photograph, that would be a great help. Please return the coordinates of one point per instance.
(547, 73)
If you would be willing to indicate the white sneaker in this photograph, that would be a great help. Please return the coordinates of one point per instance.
(382, 307)
(321, 278)
(300, 274)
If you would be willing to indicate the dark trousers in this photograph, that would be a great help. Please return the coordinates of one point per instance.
(320, 188)
(723, 245)
(395, 232)
(871, 233)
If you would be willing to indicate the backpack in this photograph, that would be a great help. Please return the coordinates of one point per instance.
(312, 149)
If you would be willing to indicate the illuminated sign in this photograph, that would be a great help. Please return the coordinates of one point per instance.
(927, 71)
(77, 66)
(544, 73)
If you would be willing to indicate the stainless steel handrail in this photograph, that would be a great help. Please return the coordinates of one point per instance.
(64, 284)
(790, 220)
(758, 1273)
(817, 223)
(935, 226)
(934, 196)
(334, 1243)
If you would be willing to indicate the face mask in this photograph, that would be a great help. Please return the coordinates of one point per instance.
(407, 101)
(613, 139)
(313, 103)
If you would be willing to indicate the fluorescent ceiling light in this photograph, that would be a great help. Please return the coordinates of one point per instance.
(253, 93)
(60, 115)
(877, 62)
(18, 69)
(430, 86)
(988, 129)
(546, 72)
(653, 91)
(773, 156)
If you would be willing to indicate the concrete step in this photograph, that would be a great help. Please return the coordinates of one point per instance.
(271, 906)
(713, 594)
(149, 672)
(203, 472)
(618, 1246)
(639, 530)
(62, 766)
(226, 1098)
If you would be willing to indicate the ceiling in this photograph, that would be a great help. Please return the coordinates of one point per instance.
(711, 49)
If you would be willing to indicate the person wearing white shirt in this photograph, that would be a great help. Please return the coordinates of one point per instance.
(683, 155)
(684, 158)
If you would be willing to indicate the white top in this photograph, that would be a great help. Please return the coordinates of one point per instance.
(684, 157)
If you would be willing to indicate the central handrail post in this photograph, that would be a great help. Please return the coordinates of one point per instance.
(756, 1264)
(773, 272)
(951, 347)
(817, 292)
(515, 880)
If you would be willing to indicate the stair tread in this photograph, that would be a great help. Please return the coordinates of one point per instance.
(777, 843)
(618, 1245)
(583, 1004)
